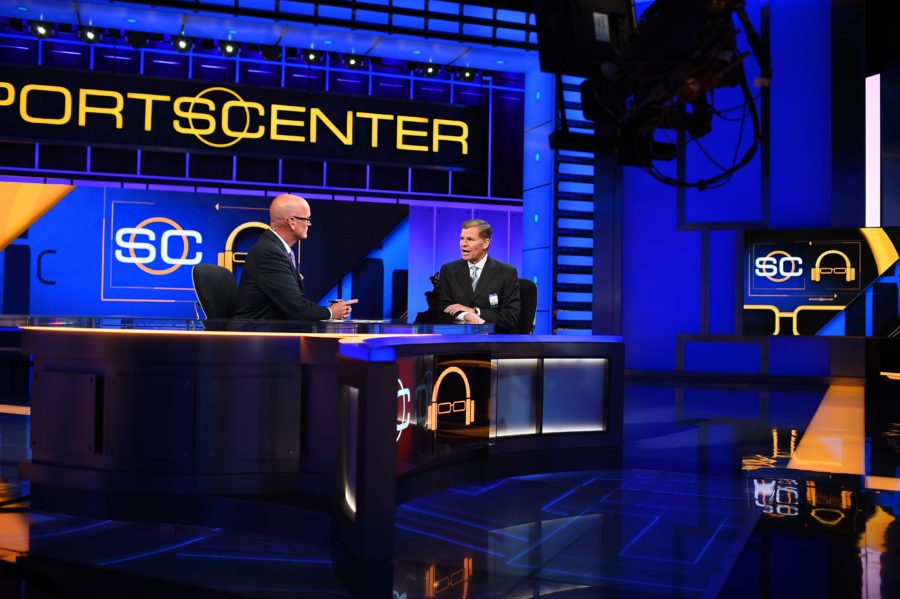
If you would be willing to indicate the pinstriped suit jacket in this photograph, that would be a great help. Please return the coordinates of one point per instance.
(497, 277)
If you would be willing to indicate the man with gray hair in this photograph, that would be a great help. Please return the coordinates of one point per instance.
(477, 288)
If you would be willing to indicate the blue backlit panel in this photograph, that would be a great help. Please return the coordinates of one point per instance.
(368, 16)
(18, 50)
(409, 22)
(431, 90)
(305, 78)
(65, 55)
(117, 60)
(390, 86)
(166, 64)
(211, 68)
(574, 395)
(260, 73)
(516, 397)
(445, 26)
(722, 357)
(721, 297)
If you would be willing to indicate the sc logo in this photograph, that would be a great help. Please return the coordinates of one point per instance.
(779, 270)
(144, 251)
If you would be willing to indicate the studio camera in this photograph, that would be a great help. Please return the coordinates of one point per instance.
(642, 76)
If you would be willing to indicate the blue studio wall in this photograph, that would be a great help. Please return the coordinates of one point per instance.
(681, 258)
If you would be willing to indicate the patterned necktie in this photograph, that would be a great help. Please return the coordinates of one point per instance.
(293, 258)
(474, 276)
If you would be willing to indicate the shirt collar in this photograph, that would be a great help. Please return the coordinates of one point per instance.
(480, 264)
(287, 248)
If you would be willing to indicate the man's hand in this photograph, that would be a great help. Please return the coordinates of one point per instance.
(340, 310)
(471, 318)
(454, 309)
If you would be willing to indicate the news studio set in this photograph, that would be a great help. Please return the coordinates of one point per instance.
(674, 373)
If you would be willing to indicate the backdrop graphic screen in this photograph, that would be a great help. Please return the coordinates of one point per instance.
(122, 252)
(821, 282)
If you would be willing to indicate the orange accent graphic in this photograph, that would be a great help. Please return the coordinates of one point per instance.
(435, 586)
(23, 204)
(466, 405)
(229, 257)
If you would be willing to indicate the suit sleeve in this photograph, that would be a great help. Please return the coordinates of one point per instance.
(506, 316)
(445, 297)
(278, 283)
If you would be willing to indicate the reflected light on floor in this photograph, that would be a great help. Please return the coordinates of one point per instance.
(835, 439)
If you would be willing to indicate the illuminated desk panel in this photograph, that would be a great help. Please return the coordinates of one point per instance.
(425, 413)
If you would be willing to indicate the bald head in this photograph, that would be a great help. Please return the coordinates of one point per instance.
(289, 217)
(286, 206)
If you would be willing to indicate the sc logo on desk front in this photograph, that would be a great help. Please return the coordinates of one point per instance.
(143, 246)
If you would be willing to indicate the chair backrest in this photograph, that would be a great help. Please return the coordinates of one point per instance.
(216, 290)
(528, 296)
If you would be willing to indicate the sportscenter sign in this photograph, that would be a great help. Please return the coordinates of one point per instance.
(143, 112)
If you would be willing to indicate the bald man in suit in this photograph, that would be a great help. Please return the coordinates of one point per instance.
(477, 288)
(271, 286)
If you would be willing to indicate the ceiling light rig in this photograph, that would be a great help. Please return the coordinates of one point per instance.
(466, 74)
(41, 29)
(312, 57)
(271, 52)
(229, 49)
(430, 70)
(89, 35)
(182, 43)
(353, 61)
(137, 39)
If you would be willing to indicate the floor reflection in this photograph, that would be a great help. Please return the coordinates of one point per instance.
(721, 493)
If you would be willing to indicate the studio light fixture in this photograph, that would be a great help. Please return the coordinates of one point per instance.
(352, 61)
(182, 43)
(430, 70)
(466, 74)
(313, 56)
(137, 39)
(271, 52)
(229, 49)
(89, 35)
(40, 29)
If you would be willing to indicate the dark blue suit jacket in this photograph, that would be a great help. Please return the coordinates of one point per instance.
(271, 287)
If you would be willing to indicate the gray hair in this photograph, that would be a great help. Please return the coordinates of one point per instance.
(484, 227)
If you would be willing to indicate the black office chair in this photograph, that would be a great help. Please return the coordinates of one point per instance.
(528, 296)
(216, 292)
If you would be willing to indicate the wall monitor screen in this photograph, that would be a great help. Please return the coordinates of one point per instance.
(832, 282)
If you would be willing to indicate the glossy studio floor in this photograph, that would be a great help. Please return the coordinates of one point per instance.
(731, 492)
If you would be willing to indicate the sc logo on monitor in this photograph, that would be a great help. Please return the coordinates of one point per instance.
(780, 269)
(848, 271)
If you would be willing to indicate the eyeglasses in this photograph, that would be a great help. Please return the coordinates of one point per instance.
(303, 218)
